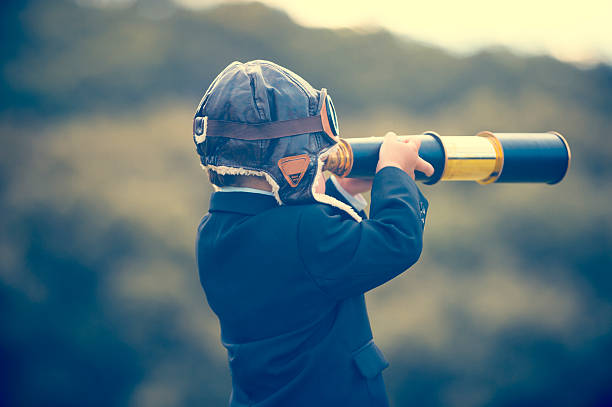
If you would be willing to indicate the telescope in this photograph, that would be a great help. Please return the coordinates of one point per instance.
(485, 158)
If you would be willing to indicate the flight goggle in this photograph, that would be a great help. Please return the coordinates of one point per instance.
(326, 122)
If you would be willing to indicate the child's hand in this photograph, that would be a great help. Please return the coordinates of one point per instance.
(403, 155)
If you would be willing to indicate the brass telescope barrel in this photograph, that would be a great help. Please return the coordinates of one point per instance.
(485, 158)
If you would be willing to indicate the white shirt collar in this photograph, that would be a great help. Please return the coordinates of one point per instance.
(245, 189)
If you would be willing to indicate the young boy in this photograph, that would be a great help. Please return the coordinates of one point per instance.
(283, 256)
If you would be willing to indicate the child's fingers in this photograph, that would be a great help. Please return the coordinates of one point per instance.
(425, 167)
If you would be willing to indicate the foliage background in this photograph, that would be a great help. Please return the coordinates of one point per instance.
(101, 192)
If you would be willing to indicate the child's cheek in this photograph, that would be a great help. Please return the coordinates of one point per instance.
(319, 184)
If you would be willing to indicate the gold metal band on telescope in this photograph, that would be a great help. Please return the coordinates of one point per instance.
(340, 161)
(499, 157)
(470, 158)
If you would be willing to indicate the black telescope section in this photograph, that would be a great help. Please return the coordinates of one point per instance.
(530, 158)
(484, 158)
(432, 151)
(365, 156)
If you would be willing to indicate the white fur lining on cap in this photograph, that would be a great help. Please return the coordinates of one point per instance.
(223, 170)
(322, 198)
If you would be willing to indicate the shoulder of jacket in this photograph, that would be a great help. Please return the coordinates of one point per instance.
(319, 212)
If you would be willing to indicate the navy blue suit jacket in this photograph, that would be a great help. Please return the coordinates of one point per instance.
(287, 285)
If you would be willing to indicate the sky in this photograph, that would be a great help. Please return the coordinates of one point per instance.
(573, 31)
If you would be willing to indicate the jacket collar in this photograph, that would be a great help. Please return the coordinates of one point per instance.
(241, 202)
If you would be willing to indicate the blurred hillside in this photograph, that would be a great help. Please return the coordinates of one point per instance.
(101, 192)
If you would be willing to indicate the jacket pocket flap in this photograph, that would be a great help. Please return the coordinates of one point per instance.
(369, 360)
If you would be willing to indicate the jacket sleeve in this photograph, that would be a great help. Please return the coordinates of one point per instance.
(345, 257)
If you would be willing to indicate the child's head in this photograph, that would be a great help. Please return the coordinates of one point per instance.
(260, 120)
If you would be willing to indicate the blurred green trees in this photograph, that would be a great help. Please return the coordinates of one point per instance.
(101, 192)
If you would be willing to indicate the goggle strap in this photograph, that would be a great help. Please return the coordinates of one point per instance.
(259, 131)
